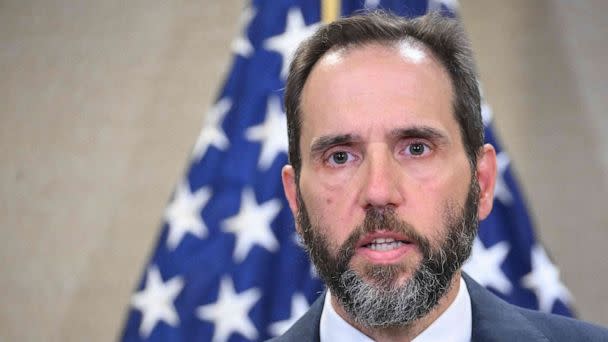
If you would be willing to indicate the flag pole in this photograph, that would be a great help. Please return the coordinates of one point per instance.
(330, 10)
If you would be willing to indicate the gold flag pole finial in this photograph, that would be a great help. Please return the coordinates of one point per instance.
(330, 10)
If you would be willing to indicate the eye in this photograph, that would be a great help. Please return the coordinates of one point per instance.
(339, 158)
(417, 149)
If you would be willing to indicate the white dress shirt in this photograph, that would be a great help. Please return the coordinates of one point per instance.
(454, 324)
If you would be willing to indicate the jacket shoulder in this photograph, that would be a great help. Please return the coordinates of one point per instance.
(307, 327)
(560, 328)
(497, 320)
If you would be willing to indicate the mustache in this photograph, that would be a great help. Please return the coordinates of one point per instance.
(385, 219)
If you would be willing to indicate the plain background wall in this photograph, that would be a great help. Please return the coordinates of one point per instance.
(101, 102)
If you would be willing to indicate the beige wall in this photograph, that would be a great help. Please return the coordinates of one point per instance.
(543, 67)
(100, 102)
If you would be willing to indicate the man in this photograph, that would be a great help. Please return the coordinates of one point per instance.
(388, 178)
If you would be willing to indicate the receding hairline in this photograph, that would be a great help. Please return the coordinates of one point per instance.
(338, 52)
(409, 47)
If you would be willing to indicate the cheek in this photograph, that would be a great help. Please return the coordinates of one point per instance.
(448, 177)
(336, 181)
(329, 191)
(328, 211)
(431, 198)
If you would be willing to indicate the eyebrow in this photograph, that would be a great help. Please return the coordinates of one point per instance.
(322, 143)
(422, 132)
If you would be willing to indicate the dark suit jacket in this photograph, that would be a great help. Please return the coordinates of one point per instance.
(493, 320)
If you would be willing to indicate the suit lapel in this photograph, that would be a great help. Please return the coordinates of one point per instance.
(495, 320)
(307, 327)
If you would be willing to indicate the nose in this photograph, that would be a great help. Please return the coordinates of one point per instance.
(382, 181)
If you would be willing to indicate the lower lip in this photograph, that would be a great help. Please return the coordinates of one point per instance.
(385, 257)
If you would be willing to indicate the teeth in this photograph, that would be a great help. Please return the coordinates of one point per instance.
(376, 245)
(383, 240)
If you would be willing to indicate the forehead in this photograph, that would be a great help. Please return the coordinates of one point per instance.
(376, 86)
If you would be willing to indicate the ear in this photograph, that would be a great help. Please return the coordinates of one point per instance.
(288, 176)
(486, 175)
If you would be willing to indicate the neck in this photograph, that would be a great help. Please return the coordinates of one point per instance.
(410, 331)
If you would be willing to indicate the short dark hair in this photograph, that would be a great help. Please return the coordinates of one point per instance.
(444, 37)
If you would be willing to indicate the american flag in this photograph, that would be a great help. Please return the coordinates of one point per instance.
(227, 265)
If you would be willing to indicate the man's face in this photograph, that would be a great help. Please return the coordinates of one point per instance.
(385, 188)
(374, 298)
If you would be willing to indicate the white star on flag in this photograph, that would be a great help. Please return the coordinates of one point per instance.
(229, 313)
(501, 190)
(251, 225)
(544, 281)
(371, 4)
(155, 301)
(299, 306)
(183, 214)
(486, 110)
(435, 5)
(484, 265)
(272, 133)
(212, 133)
(242, 45)
(486, 113)
(287, 42)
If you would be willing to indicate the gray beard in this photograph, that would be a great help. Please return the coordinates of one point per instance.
(379, 302)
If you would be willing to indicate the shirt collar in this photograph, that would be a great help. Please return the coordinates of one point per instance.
(454, 324)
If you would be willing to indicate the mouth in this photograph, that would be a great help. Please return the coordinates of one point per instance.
(384, 244)
(384, 247)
